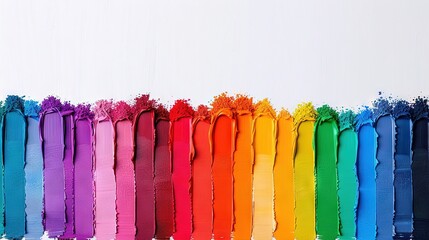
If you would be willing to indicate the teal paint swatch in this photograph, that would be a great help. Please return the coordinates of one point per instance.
(14, 155)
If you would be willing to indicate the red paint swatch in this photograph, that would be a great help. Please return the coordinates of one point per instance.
(201, 176)
(180, 135)
(222, 141)
(144, 165)
(164, 204)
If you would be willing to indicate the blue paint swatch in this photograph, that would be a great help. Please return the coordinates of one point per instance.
(403, 219)
(366, 162)
(14, 158)
(1, 171)
(33, 173)
(420, 169)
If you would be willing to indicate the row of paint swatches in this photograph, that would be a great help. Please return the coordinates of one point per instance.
(234, 170)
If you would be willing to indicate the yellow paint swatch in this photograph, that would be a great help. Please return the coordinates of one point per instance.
(284, 201)
(263, 188)
(304, 118)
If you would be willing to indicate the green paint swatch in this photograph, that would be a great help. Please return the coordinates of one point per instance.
(347, 178)
(326, 145)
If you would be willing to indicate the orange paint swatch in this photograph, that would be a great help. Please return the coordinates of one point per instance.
(265, 152)
(243, 167)
(201, 176)
(284, 201)
(222, 134)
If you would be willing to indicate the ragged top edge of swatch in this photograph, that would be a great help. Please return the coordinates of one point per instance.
(243, 104)
(324, 113)
(122, 111)
(51, 103)
(220, 102)
(304, 112)
(382, 107)
(264, 107)
(284, 114)
(180, 109)
(143, 102)
(14, 102)
(161, 112)
(2, 110)
(420, 108)
(401, 108)
(202, 113)
(32, 108)
(83, 111)
(103, 109)
(346, 119)
(363, 117)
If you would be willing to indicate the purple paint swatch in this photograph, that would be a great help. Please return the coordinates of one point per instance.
(83, 178)
(53, 146)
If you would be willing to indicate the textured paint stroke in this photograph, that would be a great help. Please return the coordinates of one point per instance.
(122, 116)
(1, 170)
(366, 162)
(67, 112)
(144, 130)
(222, 134)
(420, 168)
(105, 184)
(52, 133)
(325, 148)
(164, 204)
(181, 133)
(83, 180)
(305, 225)
(33, 173)
(403, 218)
(284, 201)
(243, 167)
(264, 142)
(347, 176)
(14, 160)
(201, 176)
(385, 128)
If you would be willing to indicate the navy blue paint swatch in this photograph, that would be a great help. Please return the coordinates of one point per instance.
(403, 219)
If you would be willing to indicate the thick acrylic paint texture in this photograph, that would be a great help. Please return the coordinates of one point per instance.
(347, 182)
(84, 190)
(222, 147)
(366, 162)
(403, 218)
(33, 181)
(304, 182)
(326, 145)
(181, 152)
(243, 178)
(144, 165)
(263, 189)
(420, 169)
(163, 185)
(14, 175)
(385, 129)
(201, 182)
(284, 201)
(105, 184)
(53, 150)
(125, 183)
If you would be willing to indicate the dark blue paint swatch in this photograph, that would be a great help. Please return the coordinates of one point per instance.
(420, 169)
(403, 218)
(384, 177)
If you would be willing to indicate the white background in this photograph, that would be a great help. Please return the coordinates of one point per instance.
(337, 52)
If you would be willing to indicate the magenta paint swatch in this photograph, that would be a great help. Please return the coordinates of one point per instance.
(83, 180)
